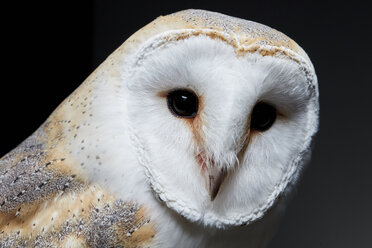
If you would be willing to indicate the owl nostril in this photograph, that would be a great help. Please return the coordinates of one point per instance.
(201, 161)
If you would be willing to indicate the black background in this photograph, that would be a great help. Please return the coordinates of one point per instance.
(50, 48)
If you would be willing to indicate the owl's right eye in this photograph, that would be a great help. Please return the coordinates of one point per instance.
(183, 103)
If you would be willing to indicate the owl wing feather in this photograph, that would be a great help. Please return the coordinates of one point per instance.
(45, 203)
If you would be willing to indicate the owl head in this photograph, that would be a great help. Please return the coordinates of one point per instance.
(222, 112)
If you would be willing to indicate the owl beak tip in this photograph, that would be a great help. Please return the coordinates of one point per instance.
(215, 183)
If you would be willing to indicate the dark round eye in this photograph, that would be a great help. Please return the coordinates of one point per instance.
(183, 103)
(263, 116)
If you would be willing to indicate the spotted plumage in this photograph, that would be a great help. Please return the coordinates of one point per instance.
(45, 203)
(120, 163)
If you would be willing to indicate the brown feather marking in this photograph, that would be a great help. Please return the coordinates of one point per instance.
(140, 234)
(73, 241)
(196, 124)
(78, 218)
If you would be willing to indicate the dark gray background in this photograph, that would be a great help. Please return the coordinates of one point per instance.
(49, 49)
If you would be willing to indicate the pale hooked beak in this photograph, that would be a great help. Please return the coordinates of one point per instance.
(215, 181)
(214, 176)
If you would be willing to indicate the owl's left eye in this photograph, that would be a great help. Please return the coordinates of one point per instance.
(183, 103)
(263, 116)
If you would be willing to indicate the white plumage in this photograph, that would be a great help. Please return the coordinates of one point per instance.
(210, 180)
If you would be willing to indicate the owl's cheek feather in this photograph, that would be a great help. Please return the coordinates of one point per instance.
(195, 124)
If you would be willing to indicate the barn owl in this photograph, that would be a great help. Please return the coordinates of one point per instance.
(191, 134)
